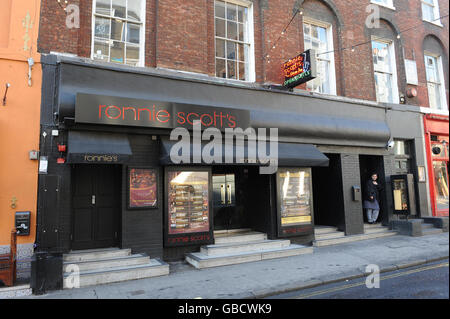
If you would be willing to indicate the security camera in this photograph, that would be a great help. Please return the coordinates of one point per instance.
(390, 145)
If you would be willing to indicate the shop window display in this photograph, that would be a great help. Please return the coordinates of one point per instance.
(294, 189)
(188, 205)
(441, 182)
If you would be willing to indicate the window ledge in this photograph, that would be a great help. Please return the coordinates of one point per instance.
(436, 23)
(383, 5)
(428, 110)
(139, 65)
(234, 81)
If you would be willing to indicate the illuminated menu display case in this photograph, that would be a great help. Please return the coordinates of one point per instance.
(295, 201)
(188, 207)
(403, 194)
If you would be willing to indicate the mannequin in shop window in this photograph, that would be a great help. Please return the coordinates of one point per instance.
(372, 201)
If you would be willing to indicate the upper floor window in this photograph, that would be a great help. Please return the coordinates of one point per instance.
(385, 3)
(385, 71)
(435, 82)
(318, 36)
(430, 11)
(118, 33)
(234, 40)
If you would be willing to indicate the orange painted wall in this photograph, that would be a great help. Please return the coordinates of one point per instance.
(20, 117)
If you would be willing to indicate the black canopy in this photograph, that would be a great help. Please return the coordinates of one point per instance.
(98, 147)
(289, 154)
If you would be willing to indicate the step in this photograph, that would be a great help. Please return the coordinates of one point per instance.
(334, 234)
(378, 224)
(200, 260)
(373, 226)
(351, 238)
(254, 246)
(324, 229)
(120, 261)
(95, 254)
(380, 229)
(231, 231)
(427, 226)
(242, 237)
(431, 231)
(153, 268)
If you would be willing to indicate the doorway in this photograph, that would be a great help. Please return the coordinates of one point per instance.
(242, 198)
(369, 164)
(96, 206)
(328, 194)
(228, 199)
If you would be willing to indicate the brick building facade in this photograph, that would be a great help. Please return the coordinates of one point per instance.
(180, 36)
(200, 57)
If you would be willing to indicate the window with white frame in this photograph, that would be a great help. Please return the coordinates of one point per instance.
(320, 38)
(234, 40)
(385, 3)
(435, 82)
(118, 31)
(383, 55)
(430, 11)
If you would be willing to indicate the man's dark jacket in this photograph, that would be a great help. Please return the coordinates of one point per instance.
(373, 190)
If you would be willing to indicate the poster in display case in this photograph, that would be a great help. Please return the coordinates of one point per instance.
(403, 194)
(142, 188)
(294, 193)
(188, 207)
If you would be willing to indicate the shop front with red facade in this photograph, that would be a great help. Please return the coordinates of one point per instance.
(436, 141)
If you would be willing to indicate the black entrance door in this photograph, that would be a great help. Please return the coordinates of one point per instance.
(224, 201)
(230, 194)
(96, 206)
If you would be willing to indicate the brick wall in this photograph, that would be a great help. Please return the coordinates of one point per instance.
(353, 210)
(180, 35)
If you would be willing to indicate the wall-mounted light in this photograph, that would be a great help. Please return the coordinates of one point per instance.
(6, 92)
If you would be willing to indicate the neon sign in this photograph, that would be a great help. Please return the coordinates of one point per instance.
(300, 69)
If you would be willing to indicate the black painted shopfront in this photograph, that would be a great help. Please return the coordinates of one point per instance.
(118, 186)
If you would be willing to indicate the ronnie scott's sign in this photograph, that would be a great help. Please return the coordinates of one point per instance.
(111, 110)
(300, 69)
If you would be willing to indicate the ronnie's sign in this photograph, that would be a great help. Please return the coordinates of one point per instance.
(300, 69)
(111, 110)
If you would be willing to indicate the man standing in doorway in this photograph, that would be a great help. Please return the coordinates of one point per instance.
(371, 202)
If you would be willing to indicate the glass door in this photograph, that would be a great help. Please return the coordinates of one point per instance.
(441, 186)
(439, 154)
(224, 201)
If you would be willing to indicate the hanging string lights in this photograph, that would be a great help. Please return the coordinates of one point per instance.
(352, 47)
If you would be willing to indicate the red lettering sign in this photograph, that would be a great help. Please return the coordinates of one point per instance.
(111, 110)
(189, 239)
(132, 113)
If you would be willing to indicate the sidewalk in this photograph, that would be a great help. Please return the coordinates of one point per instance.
(263, 278)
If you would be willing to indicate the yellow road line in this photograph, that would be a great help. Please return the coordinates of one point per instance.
(363, 283)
